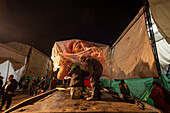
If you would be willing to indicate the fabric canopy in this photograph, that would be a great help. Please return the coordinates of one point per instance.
(7, 69)
(132, 53)
(22, 48)
(161, 14)
(15, 57)
(163, 49)
(37, 65)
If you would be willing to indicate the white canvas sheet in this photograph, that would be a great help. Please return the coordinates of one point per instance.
(163, 49)
(7, 69)
(160, 10)
(163, 52)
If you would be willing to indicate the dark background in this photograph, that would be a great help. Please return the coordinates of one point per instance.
(41, 23)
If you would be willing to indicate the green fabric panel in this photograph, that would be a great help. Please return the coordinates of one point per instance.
(48, 80)
(149, 101)
(30, 80)
(138, 87)
(146, 94)
(105, 82)
(165, 81)
(115, 86)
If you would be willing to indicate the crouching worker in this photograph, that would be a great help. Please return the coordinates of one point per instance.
(95, 69)
(77, 82)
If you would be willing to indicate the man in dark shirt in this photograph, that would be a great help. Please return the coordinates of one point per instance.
(124, 89)
(32, 87)
(8, 91)
(1, 82)
(53, 83)
(41, 86)
(95, 69)
(25, 85)
(158, 97)
(38, 80)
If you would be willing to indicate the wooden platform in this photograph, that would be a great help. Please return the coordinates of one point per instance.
(60, 101)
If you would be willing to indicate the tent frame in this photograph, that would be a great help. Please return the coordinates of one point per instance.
(151, 33)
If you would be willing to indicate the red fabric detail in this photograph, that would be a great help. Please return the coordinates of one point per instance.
(87, 83)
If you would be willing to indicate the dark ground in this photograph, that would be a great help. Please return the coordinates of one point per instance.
(17, 99)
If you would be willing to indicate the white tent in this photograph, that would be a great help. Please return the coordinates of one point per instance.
(132, 53)
(11, 62)
(37, 62)
(161, 14)
(6, 69)
(163, 48)
(14, 60)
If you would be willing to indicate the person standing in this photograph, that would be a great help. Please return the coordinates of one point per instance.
(53, 83)
(40, 86)
(95, 69)
(38, 80)
(1, 82)
(124, 89)
(8, 91)
(158, 97)
(25, 85)
(32, 87)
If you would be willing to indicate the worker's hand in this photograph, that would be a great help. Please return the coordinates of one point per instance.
(10, 92)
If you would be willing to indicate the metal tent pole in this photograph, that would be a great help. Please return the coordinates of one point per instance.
(152, 37)
(7, 72)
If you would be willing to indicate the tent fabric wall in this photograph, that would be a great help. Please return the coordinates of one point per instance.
(38, 64)
(161, 15)
(163, 48)
(165, 81)
(4, 67)
(50, 69)
(132, 54)
(22, 48)
(15, 57)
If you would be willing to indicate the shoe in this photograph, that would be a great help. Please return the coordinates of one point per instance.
(91, 98)
(72, 93)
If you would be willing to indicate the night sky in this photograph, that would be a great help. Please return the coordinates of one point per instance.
(41, 23)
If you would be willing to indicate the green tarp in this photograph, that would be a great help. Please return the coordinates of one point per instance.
(47, 79)
(139, 88)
